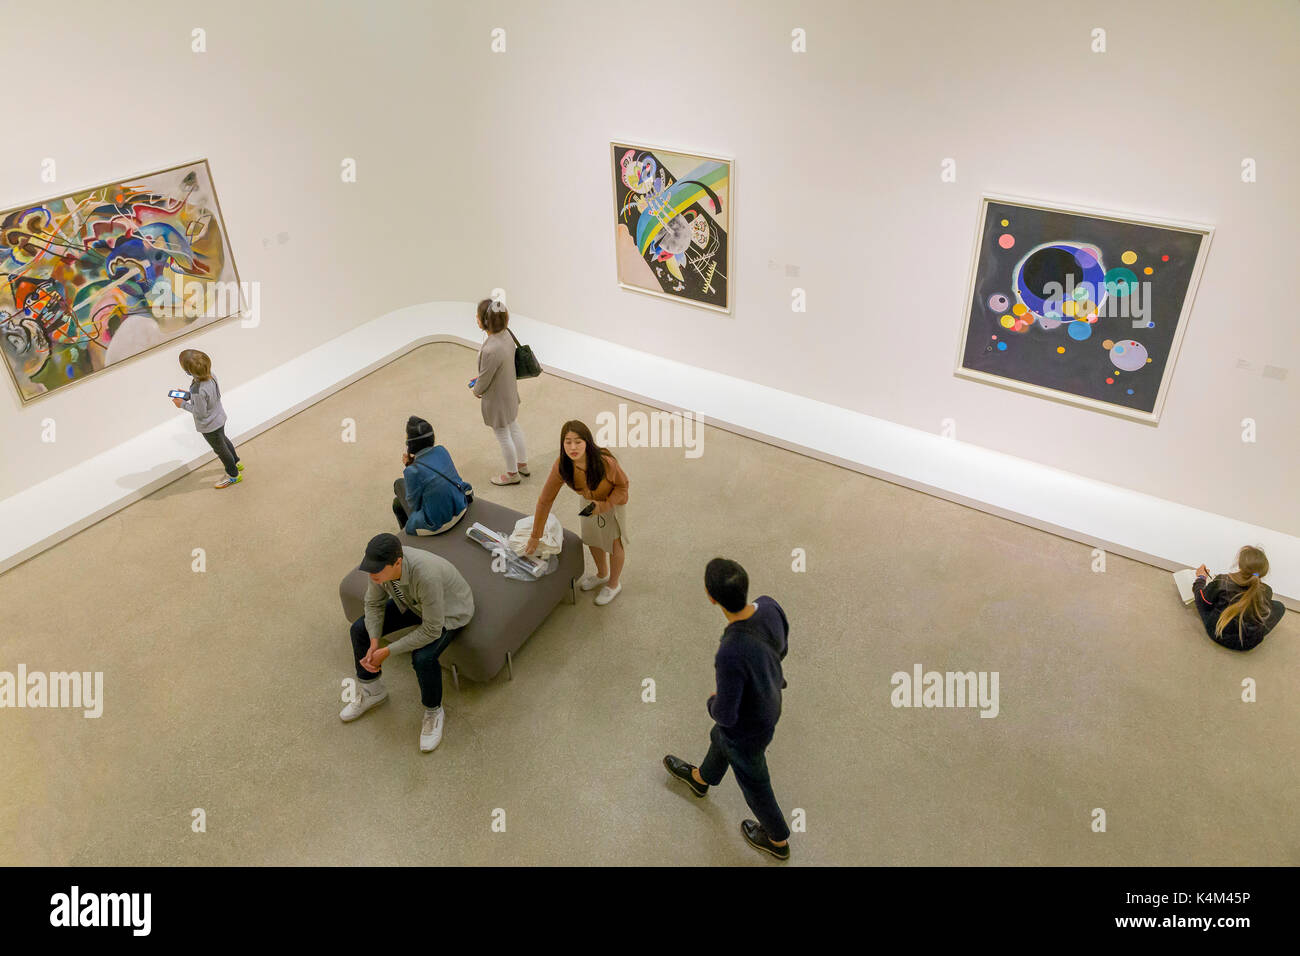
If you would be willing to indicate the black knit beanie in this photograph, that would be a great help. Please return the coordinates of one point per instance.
(419, 435)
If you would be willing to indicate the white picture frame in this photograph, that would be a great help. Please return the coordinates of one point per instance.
(969, 306)
(728, 258)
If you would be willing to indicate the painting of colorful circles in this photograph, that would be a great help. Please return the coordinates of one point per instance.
(90, 279)
(1078, 305)
(672, 224)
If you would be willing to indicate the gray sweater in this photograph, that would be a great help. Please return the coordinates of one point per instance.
(430, 587)
(205, 405)
(496, 384)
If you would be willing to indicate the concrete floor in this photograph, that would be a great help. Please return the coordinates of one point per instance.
(222, 689)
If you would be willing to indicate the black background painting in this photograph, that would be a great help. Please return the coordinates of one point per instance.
(1032, 356)
(692, 281)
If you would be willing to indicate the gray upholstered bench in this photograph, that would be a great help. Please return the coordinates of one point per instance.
(506, 612)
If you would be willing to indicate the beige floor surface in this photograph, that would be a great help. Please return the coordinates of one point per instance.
(222, 688)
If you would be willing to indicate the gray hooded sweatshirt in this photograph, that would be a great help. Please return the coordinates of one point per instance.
(205, 405)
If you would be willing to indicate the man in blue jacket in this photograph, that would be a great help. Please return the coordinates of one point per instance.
(747, 704)
(430, 495)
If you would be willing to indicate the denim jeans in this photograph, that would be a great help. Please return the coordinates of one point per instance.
(749, 761)
(424, 659)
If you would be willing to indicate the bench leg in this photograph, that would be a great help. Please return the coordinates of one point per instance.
(455, 677)
(510, 665)
(573, 591)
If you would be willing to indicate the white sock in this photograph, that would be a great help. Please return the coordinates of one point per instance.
(432, 711)
(373, 687)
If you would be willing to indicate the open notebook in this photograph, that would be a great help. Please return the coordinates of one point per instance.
(1185, 579)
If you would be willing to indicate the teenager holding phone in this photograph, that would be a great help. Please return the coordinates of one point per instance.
(204, 403)
(595, 474)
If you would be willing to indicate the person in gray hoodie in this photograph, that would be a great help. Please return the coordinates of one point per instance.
(204, 404)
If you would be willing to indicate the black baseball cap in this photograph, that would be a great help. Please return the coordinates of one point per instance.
(382, 551)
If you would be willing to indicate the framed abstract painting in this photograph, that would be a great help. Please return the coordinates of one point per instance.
(92, 278)
(672, 223)
(1080, 305)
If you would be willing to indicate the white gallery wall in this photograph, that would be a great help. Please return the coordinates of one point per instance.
(284, 92)
(479, 169)
(838, 156)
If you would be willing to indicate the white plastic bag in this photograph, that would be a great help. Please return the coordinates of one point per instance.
(552, 538)
(504, 559)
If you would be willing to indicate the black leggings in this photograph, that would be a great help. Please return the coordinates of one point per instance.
(224, 449)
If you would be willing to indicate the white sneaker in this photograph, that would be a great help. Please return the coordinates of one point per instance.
(369, 695)
(431, 729)
(590, 582)
(606, 594)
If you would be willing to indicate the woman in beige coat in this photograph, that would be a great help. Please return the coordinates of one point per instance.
(498, 391)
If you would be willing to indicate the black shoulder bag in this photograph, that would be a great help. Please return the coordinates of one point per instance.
(526, 364)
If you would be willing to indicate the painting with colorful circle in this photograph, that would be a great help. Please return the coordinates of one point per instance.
(1080, 306)
(93, 278)
(672, 224)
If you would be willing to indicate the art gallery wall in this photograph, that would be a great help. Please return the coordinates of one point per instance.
(838, 192)
(284, 92)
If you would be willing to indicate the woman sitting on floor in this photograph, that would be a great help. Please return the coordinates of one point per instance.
(1237, 608)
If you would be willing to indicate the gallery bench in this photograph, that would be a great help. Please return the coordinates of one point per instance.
(506, 611)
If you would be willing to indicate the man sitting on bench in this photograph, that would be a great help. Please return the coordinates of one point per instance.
(408, 588)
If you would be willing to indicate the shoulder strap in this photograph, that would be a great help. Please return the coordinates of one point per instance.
(512, 335)
(457, 485)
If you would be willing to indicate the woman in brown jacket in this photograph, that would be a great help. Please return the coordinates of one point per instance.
(596, 475)
(498, 391)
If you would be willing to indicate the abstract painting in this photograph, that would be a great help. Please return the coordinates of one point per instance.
(672, 224)
(1079, 305)
(90, 279)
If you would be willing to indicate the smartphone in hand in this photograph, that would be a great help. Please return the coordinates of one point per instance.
(588, 510)
(180, 393)
(473, 382)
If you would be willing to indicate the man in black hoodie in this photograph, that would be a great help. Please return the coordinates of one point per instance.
(747, 704)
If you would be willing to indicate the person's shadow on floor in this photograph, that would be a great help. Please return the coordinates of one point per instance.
(159, 480)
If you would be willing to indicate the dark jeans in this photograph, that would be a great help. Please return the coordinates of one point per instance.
(749, 761)
(424, 659)
(224, 449)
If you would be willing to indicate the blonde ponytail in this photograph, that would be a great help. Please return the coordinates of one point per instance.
(1252, 565)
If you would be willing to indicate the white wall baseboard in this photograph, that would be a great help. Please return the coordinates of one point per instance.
(1124, 522)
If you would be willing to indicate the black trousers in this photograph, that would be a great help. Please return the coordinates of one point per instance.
(428, 672)
(224, 449)
(401, 507)
(749, 761)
